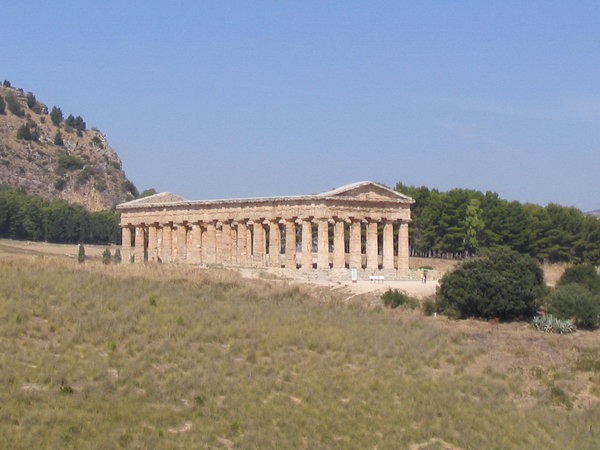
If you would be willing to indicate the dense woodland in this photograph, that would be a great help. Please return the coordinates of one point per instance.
(463, 222)
(24, 216)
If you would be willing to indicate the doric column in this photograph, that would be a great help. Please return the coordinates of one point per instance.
(218, 241)
(372, 257)
(195, 252)
(258, 244)
(167, 243)
(403, 246)
(126, 244)
(233, 243)
(339, 251)
(290, 244)
(306, 261)
(274, 243)
(323, 244)
(388, 245)
(242, 244)
(181, 242)
(355, 244)
(226, 243)
(211, 239)
(159, 242)
(152, 243)
(140, 238)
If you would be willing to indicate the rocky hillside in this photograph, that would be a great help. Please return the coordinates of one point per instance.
(53, 156)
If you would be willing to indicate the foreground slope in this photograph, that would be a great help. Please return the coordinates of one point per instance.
(95, 356)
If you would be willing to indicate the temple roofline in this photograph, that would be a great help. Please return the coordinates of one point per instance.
(168, 199)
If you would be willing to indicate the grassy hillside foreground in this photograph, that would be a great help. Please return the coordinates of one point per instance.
(122, 356)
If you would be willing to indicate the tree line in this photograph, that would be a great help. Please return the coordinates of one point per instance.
(464, 222)
(31, 217)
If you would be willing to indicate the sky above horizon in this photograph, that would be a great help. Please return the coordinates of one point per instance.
(212, 99)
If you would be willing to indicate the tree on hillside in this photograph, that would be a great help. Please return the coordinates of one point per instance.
(28, 132)
(31, 100)
(148, 193)
(2, 106)
(58, 140)
(473, 225)
(6, 83)
(13, 105)
(56, 116)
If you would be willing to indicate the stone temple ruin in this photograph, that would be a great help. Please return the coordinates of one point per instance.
(361, 226)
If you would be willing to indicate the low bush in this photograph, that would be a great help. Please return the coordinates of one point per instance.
(106, 256)
(28, 133)
(575, 301)
(70, 162)
(394, 298)
(14, 106)
(505, 285)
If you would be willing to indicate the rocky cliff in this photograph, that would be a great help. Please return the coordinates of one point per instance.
(53, 156)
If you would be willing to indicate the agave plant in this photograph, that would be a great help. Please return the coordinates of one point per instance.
(551, 324)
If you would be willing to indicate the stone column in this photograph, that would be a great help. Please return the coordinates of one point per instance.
(274, 243)
(339, 251)
(233, 243)
(290, 244)
(242, 244)
(323, 244)
(159, 242)
(211, 239)
(152, 243)
(403, 247)
(306, 261)
(140, 236)
(218, 242)
(126, 244)
(195, 252)
(167, 243)
(181, 243)
(226, 243)
(355, 244)
(258, 248)
(388, 245)
(372, 256)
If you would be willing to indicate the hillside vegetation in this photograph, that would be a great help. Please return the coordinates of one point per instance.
(56, 156)
(172, 357)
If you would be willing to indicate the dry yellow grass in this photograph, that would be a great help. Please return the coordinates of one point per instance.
(170, 357)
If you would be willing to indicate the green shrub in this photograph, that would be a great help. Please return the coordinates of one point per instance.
(130, 187)
(584, 274)
(81, 254)
(69, 162)
(28, 133)
(60, 184)
(13, 105)
(58, 140)
(6, 83)
(31, 100)
(575, 301)
(2, 105)
(106, 256)
(429, 307)
(505, 285)
(394, 298)
(117, 256)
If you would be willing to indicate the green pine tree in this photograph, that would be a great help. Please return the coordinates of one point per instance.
(81, 255)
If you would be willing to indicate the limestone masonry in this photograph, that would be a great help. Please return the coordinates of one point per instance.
(361, 225)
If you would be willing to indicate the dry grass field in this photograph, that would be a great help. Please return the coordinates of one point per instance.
(95, 356)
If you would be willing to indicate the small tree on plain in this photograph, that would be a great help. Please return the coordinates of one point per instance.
(106, 256)
(117, 256)
(81, 255)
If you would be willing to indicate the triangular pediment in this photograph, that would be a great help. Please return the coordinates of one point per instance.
(367, 190)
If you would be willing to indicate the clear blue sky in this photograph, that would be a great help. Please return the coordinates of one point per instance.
(246, 98)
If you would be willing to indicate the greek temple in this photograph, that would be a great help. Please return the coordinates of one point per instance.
(360, 226)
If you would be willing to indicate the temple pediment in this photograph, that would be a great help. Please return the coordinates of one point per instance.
(367, 190)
